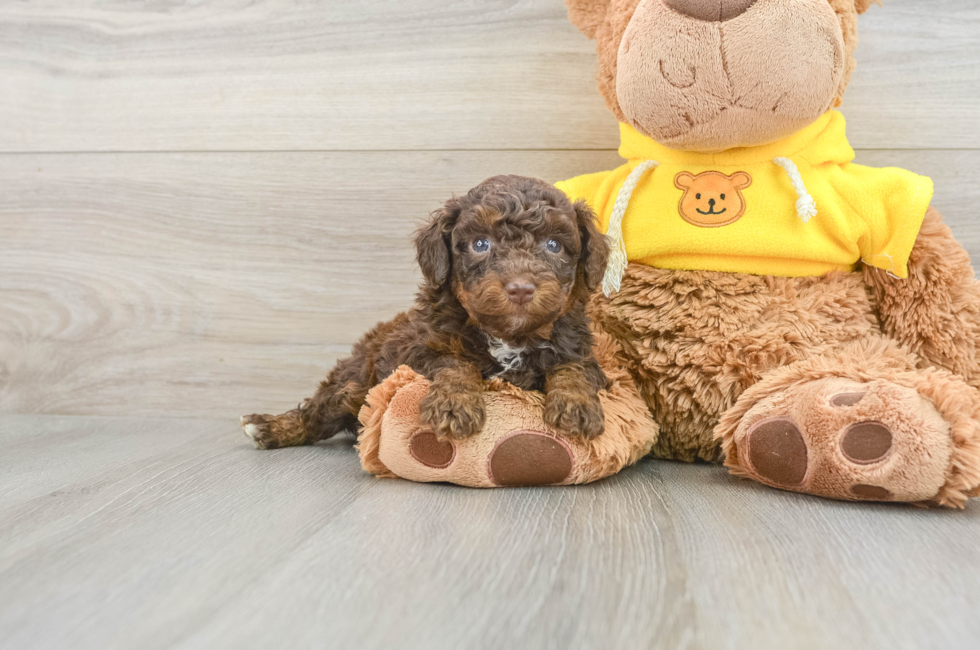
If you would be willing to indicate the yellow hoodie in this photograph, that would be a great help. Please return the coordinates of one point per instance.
(797, 207)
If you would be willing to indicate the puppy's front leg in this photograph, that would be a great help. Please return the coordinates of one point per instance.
(571, 401)
(454, 407)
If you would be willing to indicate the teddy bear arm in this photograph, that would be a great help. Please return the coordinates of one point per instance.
(935, 312)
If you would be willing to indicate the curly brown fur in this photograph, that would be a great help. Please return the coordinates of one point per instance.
(509, 268)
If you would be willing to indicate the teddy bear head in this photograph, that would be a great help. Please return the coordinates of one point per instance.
(711, 75)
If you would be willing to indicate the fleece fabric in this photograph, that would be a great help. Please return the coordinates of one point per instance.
(736, 211)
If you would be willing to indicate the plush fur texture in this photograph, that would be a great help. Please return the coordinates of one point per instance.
(696, 340)
(734, 365)
(695, 84)
(936, 311)
(933, 414)
(510, 264)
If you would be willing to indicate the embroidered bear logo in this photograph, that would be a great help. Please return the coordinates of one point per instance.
(712, 199)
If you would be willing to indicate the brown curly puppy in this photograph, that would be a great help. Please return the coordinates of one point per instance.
(508, 269)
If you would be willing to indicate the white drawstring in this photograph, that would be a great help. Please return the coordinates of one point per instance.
(616, 267)
(806, 207)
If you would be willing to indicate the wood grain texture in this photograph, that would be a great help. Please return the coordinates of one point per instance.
(152, 534)
(218, 284)
(402, 74)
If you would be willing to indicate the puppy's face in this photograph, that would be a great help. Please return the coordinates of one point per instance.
(515, 253)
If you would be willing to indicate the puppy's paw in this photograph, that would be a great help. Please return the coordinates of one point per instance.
(575, 412)
(274, 431)
(453, 411)
(257, 428)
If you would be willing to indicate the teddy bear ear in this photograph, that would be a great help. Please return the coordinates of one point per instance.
(587, 15)
(863, 5)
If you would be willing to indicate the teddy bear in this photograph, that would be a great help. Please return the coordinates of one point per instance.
(809, 321)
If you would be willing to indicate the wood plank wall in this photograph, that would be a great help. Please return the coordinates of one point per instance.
(203, 204)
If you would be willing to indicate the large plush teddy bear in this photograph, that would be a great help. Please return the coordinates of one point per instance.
(809, 321)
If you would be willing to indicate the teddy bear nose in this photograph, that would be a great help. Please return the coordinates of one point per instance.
(711, 202)
(520, 292)
(711, 10)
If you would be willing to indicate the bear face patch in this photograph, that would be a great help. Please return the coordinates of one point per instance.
(712, 199)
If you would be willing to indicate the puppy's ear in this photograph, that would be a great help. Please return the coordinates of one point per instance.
(595, 247)
(433, 243)
(587, 15)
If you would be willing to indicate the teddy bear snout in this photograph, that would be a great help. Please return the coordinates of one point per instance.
(711, 10)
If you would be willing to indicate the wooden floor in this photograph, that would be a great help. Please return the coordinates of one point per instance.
(202, 205)
(163, 533)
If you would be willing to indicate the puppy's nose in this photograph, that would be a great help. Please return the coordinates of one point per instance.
(520, 292)
(711, 10)
(711, 202)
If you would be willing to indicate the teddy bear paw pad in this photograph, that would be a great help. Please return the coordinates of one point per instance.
(847, 399)
(866, 442)
(426, 448)
(777, 451)
(529, 458)
(871, 492)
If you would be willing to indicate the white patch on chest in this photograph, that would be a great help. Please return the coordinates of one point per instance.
(508, 356)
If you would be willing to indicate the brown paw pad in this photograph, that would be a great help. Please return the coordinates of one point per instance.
(847, 399)
(872, 492)
(529, 458)
(426, 448)
(777, 451)
(866, 442)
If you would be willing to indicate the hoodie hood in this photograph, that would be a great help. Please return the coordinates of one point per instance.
(824, 141)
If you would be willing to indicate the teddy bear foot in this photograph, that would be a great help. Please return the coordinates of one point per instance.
(843, 439)
(509, 451)
(521, 458)
(516, 447)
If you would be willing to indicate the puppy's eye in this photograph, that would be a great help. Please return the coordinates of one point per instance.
(481, 245)
(698, 197)
(553, 246)
(722, 197)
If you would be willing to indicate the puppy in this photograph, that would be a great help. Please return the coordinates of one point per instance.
(508, 269)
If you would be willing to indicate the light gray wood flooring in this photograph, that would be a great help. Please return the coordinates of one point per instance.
(164, 533)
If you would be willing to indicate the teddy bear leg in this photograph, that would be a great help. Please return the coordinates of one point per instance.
(517, 446)
(861, 425)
